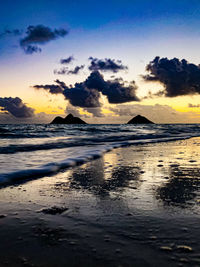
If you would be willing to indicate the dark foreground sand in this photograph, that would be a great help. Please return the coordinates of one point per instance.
(136, 206)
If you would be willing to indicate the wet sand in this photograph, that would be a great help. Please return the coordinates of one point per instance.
(135, 206)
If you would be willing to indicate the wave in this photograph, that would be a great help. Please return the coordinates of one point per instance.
(82, 141)
(21, 136)
(87, 155)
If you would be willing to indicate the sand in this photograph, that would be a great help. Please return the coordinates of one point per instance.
(135, 206)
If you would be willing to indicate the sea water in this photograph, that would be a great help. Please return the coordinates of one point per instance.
(30, 151)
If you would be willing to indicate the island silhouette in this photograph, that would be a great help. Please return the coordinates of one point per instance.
(70, 119)
(139, 120)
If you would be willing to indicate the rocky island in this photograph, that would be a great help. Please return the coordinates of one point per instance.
(139, 120)
(69, 119)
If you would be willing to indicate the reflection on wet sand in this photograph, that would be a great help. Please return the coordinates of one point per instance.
(93, 178)
(182, 188)
(170, 176)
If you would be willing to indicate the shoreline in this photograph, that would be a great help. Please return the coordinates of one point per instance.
(53, 168)
(136, 205)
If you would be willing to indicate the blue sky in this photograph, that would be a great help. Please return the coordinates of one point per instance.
(92, 14)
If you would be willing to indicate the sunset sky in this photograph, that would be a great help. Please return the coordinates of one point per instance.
(82, 56)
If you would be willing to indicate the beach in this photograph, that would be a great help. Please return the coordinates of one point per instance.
(137, 205)
(100, 133)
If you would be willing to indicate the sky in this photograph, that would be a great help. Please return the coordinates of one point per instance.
(104, 61)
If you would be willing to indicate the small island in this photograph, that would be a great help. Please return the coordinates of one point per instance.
(139, 120)
(69, 119)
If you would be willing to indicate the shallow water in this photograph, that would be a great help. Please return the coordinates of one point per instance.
(28, 151)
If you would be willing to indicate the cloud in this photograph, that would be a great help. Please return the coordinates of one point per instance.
(74, 111)
(67, 60)
(39, 35)
(16, 107)
(61, 71)
(193, 106)
(96, 112)
(82, 96)
(106, 64)
(151, 95)
(156, 113)
(38, 118)
(66, 71)
(178, 76)
(118, 92)
(52, 88)
(87, 94)
(76, 70)
(15, 32)
(30, 49)
(77, 112)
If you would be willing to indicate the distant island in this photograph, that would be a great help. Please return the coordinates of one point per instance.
(69, 119)
(139, 120)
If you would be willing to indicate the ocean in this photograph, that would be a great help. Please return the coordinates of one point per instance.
(31, 151)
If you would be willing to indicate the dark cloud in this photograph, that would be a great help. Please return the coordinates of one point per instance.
(14, 32)
(30, 49)
(16, 107)
(76, 70)
(52, 88)
(151, 95)
(61, 84)
(115, 90)
(106, 64)
(39, 35)
(66, 71)
(81, 96)
(87, 94)
(118, 92)
(95, 81)
(193, 106)
(61, 71)
(67, 60)
(178, 76)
